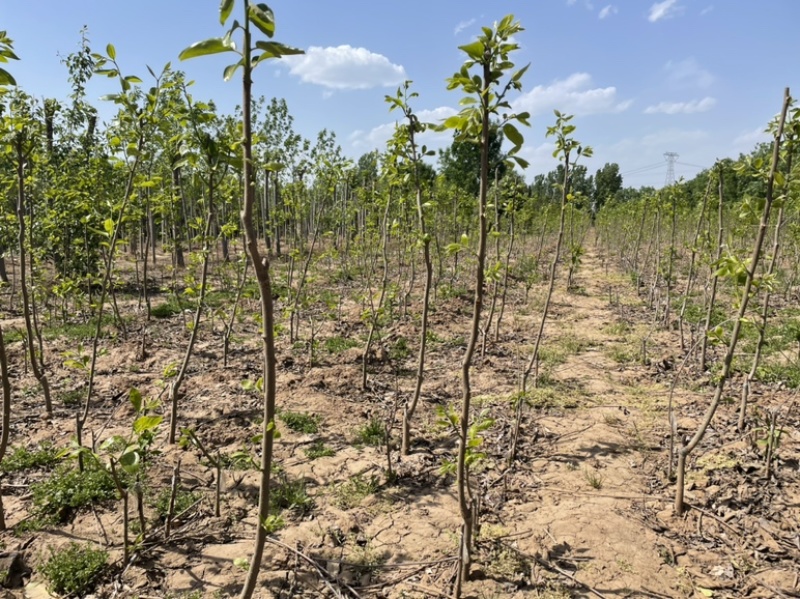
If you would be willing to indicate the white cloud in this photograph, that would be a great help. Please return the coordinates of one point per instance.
(573, 95)
(749, 139)
(690, 107)
(607, 11)
(571, 2)
(378, 136)
(664, 10)
(463, 25)
(706, 10)
(674, 138)
(345, 67)
(688, 73)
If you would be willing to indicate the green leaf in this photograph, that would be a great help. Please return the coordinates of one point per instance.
(242, 563)
(147, 423)
(225, 8)
(511, 133)
(108, 225)
(6, 78)
(261, 16)
(474, 50)
(453, 122)
(276, 50)
(230, 70)
(130, 461)
(136, 399)
(215, 45)
(113, 441)
(132, 79)
(705, 592)
(111, 51)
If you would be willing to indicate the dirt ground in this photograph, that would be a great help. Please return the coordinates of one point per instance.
(584, 511)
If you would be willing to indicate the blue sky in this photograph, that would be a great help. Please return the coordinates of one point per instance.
(698, 77)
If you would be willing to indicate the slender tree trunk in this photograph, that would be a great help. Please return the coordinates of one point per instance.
(4, 433)
(261, 266)
(465, 502)
(32, 334)
(690, 277)
(714, 277)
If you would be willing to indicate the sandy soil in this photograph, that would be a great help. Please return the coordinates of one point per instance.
(585, 510)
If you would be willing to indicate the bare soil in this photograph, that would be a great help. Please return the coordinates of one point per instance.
(584, 511)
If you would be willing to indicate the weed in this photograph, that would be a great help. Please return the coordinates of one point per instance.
(300, 422)
(624, 565)
(505, 563)
(292, 495)
(183, 501)
(74, 569)
(400, 350)
(169, 308)
(273, 523)
(372, 433)
(73, 398)
(351, 493)
(318, 449)
(622, 353)
(57, 498)
(366, 559)
(617, 329)
(339, 344)
(594, 478)
(22, 458)
(789, 374)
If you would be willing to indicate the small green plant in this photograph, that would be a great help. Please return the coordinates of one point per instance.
(351, 493)
(57, 498)
(373, 433)
(400, 350)
(72, 398)
(292, 495)
(300, 422)
(22, 458)
(74, 570)
(169, 308)
(594, 478)
(318, 449)
(366, 559)
(273, 523)
(339, 344)
(183, 501)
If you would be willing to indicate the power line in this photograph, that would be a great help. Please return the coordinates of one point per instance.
(691, 165)
(642, 169)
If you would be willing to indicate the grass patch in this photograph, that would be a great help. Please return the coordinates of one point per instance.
(617, 329)
(594, 478)
(292, 495)
(788, 374)
(338, 344)
(74, 569)
(372, 433)
(22, 458)
(57, 498)
(170, 308)
(183, 501)
(351, 493)
(76, 330)
(300, 422)
(318, 450)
